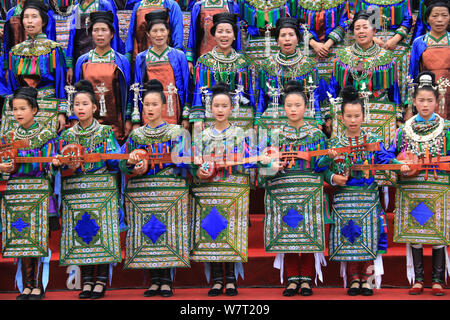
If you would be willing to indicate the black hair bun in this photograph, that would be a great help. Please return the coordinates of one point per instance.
(292, 86)
(37, 4)
(154, 85)
(361, 15)
(84, 86)
(157, 15)
(349, 93)
(287, 22)
(220, 87)
(27, 91)
(435, 2)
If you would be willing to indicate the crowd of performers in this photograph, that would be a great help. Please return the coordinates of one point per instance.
(161, 143)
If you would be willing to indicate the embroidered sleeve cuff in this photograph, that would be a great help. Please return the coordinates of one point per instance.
(331, 180)
(128, 56)
(189, 55)
(125, 168)
(185, 114)
(195, 116)
(69, 63)
(395, 161)
(62, 106)
(337, 35)
(403, 31)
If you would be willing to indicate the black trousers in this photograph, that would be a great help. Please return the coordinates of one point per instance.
(87, 273)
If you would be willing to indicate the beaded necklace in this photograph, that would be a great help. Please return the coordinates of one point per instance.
(88, 133)
(423, 136)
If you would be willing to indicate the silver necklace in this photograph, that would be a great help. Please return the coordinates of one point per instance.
(94, 126)
(220, 57)
(288, 63)
(22, 134)
(155, 133)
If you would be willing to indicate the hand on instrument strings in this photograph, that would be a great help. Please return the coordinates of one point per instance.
(203, 174)
(191, 67)
(340, 180)
(277, 165)
(332, 153)
(6, 167)
(133, 158)
(405, 169)
(56, 162)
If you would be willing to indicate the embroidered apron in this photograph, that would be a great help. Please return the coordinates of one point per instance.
(24, 214)
(294, 213)
(90, 221)
(158, 214)
(220, 219)
(422, 216)
(355, 233)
